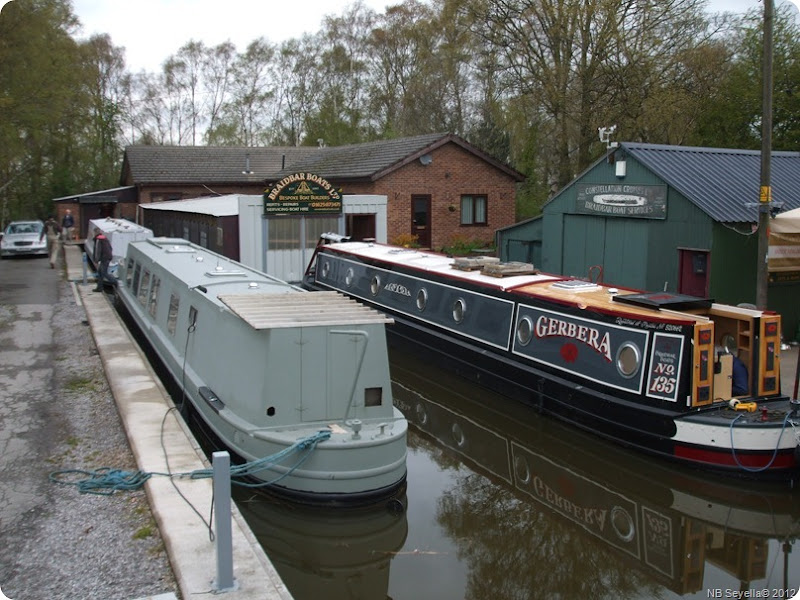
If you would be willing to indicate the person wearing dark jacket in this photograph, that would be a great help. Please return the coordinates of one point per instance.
(102, 256)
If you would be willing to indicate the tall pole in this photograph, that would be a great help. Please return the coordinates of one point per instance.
(765, 195)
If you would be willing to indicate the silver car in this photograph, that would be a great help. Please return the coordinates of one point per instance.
(24, 238)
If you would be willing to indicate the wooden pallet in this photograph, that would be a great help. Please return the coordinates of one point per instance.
(509, 269)
(474, 264)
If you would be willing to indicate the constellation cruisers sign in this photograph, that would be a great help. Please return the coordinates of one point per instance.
(302, 194)
(622, 200)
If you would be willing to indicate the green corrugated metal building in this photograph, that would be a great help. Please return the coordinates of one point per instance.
(656, 217)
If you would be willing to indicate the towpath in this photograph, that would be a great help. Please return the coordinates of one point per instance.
(76, 393)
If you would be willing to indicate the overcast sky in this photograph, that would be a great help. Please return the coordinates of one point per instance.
(152, 30)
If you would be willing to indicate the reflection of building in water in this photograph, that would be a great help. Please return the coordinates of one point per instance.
(668, 522)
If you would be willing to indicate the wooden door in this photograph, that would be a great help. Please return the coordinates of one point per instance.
(693, 273)
(420, 219)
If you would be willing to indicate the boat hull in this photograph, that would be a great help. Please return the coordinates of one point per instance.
(710, 437)
(268, 394)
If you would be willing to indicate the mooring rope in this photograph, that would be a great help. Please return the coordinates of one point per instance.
(106, 480)
(774, 453)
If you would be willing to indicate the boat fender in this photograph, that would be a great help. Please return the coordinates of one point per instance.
(736, 404)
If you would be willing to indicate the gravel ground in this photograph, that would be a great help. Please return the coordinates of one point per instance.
(57, 542)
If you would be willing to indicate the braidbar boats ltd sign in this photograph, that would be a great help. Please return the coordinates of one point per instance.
(302, 194)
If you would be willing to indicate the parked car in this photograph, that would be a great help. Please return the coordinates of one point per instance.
(23, 238)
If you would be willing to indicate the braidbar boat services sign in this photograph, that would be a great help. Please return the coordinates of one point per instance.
(302, 194)
(620, 200)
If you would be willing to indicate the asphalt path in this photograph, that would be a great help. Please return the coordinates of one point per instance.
(58, 413)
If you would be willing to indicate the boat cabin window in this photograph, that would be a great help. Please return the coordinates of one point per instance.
(373, 396)
(525, 330)
(143, 287)
(422, 299)
(459, 308)
(348, 277)
(375, 285)
(136, 273)
(172, 315)
(129, 273)
(154, 295)
(629, 357)
(192, 318)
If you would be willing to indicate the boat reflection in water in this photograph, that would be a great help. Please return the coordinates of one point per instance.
(332, 553)
(555, 515)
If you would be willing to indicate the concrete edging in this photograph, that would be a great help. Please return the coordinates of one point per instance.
(144, 406)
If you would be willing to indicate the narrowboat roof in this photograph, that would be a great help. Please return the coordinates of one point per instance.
(604, 297)
(271, 311)
(262, 301)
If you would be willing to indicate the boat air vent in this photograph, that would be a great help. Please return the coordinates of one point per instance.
(198, 259)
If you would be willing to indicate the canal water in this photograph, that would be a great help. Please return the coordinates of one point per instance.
(502, 503)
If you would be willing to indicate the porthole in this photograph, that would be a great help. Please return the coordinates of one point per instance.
(458, 435)
(629, 358)
(326, 268)
(524, 330)
(422, 299)
(623, 524)
(422, 414)
(375, 285)
(522, 470)
(348, 277)
(459, 309)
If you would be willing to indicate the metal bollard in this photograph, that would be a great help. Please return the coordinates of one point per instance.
(221, 462)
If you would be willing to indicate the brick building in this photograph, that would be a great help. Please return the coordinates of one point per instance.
(440, 188)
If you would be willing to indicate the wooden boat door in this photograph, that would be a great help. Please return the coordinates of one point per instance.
(420, 219)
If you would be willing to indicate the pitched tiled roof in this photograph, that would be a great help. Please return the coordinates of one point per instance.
(206, 164)
(364, 160)
(724, 183)
(372, 160)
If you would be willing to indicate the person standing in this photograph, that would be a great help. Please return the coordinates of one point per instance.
(51, 230)
(102, 256)
(67, 225)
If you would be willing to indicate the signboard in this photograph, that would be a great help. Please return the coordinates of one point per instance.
(584, 347)
(302, 194)
(622, 200)
(665, 367)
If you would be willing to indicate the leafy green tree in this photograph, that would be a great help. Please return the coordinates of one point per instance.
(731, 116)
(43, 105)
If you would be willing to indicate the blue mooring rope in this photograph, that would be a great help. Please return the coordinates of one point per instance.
(105, 480)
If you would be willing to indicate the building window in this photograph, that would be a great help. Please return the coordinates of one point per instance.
(473, 210)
